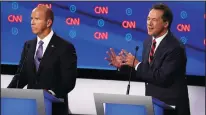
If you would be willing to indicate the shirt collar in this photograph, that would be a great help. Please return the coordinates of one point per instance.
(47, 39)
(159, 39)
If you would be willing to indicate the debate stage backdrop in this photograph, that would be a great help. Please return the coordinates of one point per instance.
(94, 27)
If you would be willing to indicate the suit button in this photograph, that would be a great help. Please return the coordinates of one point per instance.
(146, 83)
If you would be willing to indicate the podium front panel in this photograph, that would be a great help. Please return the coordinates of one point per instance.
(124, 109)
(20, 95)
(117, 104)
(27, 102)
(14, 106)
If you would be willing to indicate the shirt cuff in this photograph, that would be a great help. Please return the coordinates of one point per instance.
(137, 66)
(173, 106)
(51, 92)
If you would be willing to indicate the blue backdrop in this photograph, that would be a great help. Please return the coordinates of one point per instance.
(91, 50)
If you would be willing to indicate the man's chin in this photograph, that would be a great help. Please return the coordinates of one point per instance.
(34, 32)
(150, 33)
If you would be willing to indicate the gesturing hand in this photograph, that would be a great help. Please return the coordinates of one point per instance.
(129, 58)
(113, 59)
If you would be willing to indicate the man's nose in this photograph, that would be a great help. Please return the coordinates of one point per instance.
(149, 23)
(32, 22)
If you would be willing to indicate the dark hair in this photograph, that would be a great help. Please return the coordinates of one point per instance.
(167, 13)
(50, 15)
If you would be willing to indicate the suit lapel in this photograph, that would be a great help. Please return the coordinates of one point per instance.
(148, 47)
(160, 48)
(31, 55)
(50, 48)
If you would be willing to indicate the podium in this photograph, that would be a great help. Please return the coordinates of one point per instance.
(27, 102)
(116, 104)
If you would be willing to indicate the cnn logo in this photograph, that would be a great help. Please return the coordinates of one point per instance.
(129, 24)
(15, 18)
(101, 10)
(73, 21)
(101, 35)
(47, 5)
(183, 27)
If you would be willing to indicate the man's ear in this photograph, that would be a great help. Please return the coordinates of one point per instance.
(49, 22)
(166, 24)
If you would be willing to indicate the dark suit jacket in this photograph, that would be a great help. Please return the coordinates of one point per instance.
(57, 70)
(165, 75)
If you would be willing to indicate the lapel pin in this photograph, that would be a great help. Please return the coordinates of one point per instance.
(52, 46)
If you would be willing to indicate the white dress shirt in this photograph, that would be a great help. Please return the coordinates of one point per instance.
(158, 40)
(46, 41)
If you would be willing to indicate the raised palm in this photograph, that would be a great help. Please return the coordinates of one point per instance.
(113, 59)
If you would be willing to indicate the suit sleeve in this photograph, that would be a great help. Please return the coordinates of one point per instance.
(68, 71)
(173, 63)
(19, 78)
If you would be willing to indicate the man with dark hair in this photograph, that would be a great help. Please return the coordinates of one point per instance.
(167, 13)
(48, 61)
(163, 65)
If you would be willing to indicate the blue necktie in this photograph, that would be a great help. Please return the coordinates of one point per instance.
(39, 54)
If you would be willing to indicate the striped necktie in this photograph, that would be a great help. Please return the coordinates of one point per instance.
(151, 54)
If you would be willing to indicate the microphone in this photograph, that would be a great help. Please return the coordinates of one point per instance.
(22, 65)
(128, 87)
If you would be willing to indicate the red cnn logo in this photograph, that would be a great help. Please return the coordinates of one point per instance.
(47, 5)
(101, 35)
(73, 21)
(204, 41)
(15, 18)
(101, 10)
(183, 27)
(129, 24)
